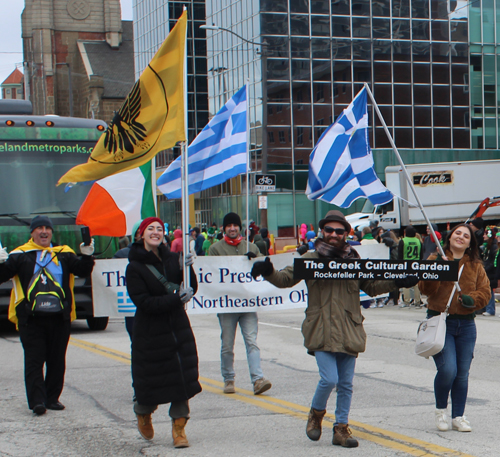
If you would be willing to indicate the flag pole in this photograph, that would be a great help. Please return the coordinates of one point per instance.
(153, 187)
(248, 165)
(400, 160)
(185, 174)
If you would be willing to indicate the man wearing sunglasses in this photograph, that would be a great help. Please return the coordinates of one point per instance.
(333, 328)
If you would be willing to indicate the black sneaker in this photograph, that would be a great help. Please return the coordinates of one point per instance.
(39, 409)
(57, 406)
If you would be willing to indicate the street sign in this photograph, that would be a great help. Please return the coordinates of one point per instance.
(265, 183)
(262, 201)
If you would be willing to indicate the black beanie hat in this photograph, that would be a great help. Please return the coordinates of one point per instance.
(40, 221)
(410, 231)
(231, 218)
(478, 223)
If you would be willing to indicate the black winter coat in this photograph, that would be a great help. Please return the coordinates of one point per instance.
(491, 263)
(164, 355)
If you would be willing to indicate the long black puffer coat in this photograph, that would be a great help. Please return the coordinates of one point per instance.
(164, 355)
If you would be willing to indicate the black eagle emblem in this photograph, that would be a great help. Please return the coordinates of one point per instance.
(125, 132)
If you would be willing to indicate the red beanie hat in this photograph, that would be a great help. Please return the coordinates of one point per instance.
(148, 221)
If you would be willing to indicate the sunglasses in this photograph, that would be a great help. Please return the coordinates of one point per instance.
(330, 230)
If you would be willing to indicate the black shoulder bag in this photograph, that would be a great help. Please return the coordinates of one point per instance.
(170, 287)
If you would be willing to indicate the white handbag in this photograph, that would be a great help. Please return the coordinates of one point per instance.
(431, 333)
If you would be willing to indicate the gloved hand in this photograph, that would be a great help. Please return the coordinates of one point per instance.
(4, 255)
(251, 255)
(87, 250)
(185, 294)
(188, 260)
(262, 268)
(466, 301)
(388, 242)
(406, 283)
(302, 249)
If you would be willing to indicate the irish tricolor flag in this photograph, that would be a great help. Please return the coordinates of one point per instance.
(114, 204)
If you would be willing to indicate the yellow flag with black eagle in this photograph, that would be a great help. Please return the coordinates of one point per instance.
(151, 119)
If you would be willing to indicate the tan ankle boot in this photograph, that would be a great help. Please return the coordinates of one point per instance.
(313, 428)
(342, 436)
(178, 432)
(145, 426)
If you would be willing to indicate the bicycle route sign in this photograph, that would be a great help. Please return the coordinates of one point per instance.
(265, 183)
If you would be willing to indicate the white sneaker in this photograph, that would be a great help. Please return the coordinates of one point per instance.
(487, 314)
(461, 424)
(442, 420)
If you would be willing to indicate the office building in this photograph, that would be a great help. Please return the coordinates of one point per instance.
(153, 20)
(432, 66)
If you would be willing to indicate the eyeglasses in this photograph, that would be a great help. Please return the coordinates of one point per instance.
(338, 231)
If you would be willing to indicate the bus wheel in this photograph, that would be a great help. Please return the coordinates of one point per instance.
(97, 323)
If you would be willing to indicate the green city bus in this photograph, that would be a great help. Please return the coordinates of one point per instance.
(35, 151)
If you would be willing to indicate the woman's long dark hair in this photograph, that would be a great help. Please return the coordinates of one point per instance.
(472, 251)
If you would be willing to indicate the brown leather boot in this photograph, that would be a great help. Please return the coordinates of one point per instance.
(178, 432)
(145, 426)
(342, 436)
(313, 428)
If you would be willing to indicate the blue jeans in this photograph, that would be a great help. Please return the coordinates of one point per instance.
(336, 369)
(453, 364)
(249, 326)
(491, 307)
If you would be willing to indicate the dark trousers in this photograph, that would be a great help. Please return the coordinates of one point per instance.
(45, 340)
(129, 325)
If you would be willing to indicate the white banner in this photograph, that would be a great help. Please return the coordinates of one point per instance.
(224, 285)
(109, 289)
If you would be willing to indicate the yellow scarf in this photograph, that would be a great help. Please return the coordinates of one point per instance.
(17, 294)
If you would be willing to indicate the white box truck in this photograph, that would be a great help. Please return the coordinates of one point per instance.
(449, 192)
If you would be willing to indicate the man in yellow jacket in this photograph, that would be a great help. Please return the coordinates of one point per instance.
(44, 318)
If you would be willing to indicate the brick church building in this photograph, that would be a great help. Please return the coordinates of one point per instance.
(79, 57)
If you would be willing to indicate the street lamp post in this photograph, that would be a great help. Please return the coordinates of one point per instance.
(263, 45)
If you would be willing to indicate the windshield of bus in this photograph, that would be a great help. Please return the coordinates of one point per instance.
(32, 159)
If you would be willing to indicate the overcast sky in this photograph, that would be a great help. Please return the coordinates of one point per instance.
(11, 46)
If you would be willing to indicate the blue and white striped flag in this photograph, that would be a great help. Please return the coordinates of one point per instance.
(218, 153)
(341, 164)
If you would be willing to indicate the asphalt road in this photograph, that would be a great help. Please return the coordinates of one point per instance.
(392, 412)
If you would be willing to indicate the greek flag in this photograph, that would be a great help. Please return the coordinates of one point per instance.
(341, 164)
(218, 153)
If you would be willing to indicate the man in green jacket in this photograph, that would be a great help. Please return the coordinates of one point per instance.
(410, 248)
(233, 244)
(333, 328)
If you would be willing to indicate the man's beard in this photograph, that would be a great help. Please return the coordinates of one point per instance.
(335, 242)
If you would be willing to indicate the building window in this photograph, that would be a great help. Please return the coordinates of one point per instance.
(300, 135)
(271, 137)
(282, 136)
(320, 92)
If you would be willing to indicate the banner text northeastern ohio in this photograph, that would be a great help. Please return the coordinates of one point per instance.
(426, 270)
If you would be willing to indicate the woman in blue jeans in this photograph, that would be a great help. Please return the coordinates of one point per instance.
(454, 361)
